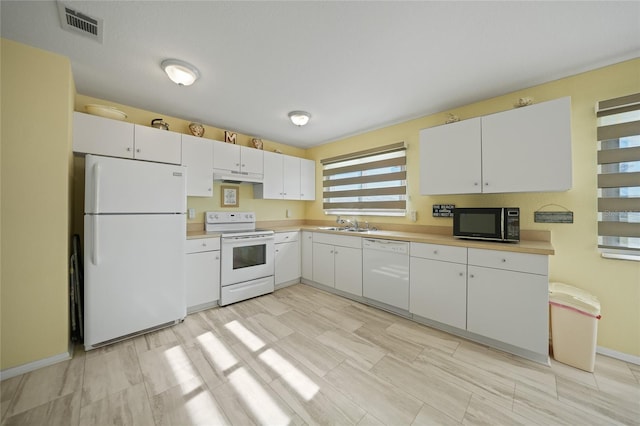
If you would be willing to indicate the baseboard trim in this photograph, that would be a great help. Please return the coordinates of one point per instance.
(32, 366)
(633, 359)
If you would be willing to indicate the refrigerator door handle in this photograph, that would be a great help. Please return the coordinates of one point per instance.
(96, 187)
(94, 243)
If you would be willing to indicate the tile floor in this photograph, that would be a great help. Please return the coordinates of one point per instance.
(303, 356)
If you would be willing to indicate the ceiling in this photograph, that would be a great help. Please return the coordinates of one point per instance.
(355, 66)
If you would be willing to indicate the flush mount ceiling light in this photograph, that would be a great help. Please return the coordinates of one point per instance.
(180, 72)
(299, 118)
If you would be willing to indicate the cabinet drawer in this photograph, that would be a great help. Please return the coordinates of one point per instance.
(337, 240)
(439, 252)
(202, 244)
(287, 237)
(522, 262)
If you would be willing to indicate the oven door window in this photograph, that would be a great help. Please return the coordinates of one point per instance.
(248, 256)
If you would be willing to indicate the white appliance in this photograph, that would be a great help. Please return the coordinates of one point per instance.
(385, 266)
(247, 256)
(134, 227)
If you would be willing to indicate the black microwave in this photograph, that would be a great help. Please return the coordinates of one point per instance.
(487, 223)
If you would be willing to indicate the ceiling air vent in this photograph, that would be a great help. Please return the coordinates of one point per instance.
(79, 23)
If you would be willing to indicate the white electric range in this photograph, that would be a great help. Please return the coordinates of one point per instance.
(247, 259)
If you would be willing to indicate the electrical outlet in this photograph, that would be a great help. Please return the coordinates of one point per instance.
(192, 213)
(288, 213)
(414, 215)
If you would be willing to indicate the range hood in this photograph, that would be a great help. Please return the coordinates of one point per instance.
(237, 177)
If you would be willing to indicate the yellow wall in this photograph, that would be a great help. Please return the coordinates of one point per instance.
(37, 101)
(616, 283)
(265, 209)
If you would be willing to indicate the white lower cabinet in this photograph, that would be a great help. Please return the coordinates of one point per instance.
(438, 283)
(508, 296)
(306, 247)
(287, 258)
(337, 262)
(202, 273)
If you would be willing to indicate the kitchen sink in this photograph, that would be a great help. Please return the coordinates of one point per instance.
(335, 228)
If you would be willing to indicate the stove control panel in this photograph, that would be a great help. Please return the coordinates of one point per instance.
(230, 217)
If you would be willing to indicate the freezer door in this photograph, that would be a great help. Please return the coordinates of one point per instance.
(115, 185)
(134, 274)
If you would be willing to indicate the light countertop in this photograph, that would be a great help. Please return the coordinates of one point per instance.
(524, 246)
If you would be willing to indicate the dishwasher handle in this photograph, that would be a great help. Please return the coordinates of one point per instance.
(386, 245)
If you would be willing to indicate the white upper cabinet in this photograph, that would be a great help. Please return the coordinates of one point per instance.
(450, 158)
(102, 136)
(233, 160)
(307, 179)
(291, 177)
(153, 144)
(286, 178)
(271, 187)
(197, 156)
(113, 138)
(522, 150)
(528, 149)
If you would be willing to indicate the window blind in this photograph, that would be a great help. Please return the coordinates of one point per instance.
(371, 182)
(619, 177)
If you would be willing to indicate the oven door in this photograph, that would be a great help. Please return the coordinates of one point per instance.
(246, 258)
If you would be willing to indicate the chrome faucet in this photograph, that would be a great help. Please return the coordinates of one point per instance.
(353, 224)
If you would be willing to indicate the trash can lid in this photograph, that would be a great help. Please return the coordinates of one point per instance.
(573, 297)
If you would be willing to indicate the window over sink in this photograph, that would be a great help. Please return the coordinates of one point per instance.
(371, 182)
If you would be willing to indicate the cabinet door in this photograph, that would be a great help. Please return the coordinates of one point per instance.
(450, 158)
(323, 264)
(307, 179)
(251, 160)
(102, 136)
(202, 278)
(291, 180)
(438, 291)
(287, 262)
(153, 144)
(508, 306)
(528, 149)
(226, 156)
(197, 156)
(273, 177)
(307, 255)
(348, 270)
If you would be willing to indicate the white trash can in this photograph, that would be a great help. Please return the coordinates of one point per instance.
(574, 325)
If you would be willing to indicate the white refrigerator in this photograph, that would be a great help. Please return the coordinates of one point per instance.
(134, 227)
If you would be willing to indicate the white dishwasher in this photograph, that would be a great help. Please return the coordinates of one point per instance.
(385, 271)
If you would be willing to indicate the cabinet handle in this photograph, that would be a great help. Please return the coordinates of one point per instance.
(244, 165)
(204, 244)
(504, 260)
(237, 164)
(486, 184)
(335, 252)
(461, 274)
(475, 183)
(217, 257)
(277, 251)
(209, 189)
(128, 149)
(138, 150)
(471, 275)
(435, 252)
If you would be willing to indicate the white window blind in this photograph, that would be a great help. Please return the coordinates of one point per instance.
(619, 177)
(371, 182)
